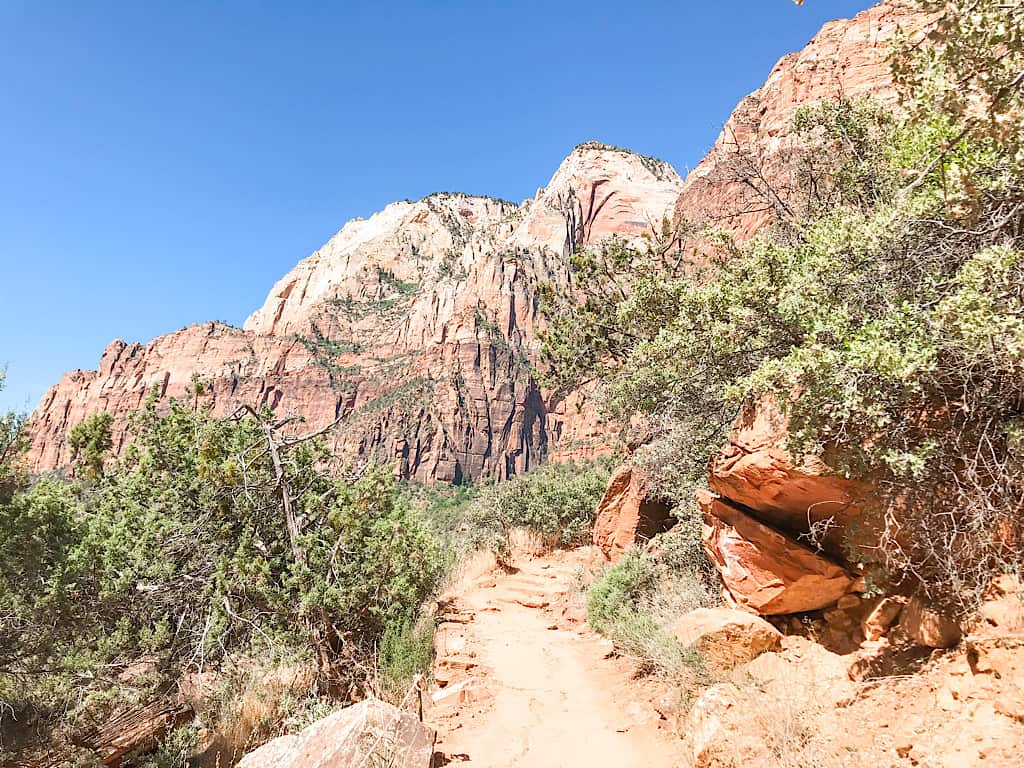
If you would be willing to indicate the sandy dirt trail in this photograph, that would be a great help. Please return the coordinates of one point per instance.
(527, 687)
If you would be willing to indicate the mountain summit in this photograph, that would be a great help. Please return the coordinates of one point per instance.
(418, 326)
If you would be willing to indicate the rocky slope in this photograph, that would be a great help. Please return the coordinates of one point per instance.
(847, 58)
(417, 326)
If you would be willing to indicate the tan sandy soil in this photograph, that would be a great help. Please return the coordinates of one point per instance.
(528, 685)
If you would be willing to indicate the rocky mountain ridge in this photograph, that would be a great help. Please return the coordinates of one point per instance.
(848, 58)
(417, 326)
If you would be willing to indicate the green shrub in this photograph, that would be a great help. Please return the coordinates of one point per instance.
(636, 602)
(619, 591)
(555, 501)
(174, 750)
(183, 551)
(444, 509)
(406, 650)
(882, 312)
(89, 441)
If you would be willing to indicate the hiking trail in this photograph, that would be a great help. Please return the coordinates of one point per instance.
(526, 683)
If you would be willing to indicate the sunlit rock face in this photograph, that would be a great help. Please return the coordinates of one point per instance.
(417, 326)
(848, 58)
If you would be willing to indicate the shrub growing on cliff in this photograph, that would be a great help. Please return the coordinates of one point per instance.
(884, 312)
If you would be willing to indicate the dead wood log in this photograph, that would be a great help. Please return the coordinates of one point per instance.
(129, 731)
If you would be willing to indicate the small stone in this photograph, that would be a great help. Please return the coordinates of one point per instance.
(927, 626)
(883, 617)
(726, 638)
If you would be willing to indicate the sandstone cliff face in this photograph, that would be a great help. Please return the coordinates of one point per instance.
(418, 326)
(847, 58)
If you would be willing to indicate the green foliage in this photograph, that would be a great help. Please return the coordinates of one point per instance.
(324, 350)
(38, 587)
(401, 287)
(884, 313)
(174, 750)
(376, 561)
(407, 396)
(556, 501)
(184, 551)
(619, 590)
(490, 329)
(444, 509)
(406, 650)
(636, 601)
(970, 71)
(89, 441)
(13, 442)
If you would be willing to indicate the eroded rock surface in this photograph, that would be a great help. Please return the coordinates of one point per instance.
(847, 58)
(417, 326)
(803, 497)
(726, 638)
(762, 569)
(627, 513)
(369, 733)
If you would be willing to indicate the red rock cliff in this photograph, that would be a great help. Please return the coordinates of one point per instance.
(418, 326)
(847, 58)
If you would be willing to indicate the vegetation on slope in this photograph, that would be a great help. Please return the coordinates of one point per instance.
(209, 539)
(884, 311)
(223, 545)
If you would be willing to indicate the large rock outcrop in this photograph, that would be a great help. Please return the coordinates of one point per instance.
(763, 570)
(365, 734)
(418, 327)
(628, 514)
(801, 496)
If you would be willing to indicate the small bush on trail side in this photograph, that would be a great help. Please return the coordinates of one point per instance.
(406, 650)
(636, 602)
(555, 501)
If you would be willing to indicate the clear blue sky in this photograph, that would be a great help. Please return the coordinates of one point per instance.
(164, 163)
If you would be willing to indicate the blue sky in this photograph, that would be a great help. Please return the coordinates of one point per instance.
(164, 163)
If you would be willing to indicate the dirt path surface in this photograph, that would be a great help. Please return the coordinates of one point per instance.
(528, 685)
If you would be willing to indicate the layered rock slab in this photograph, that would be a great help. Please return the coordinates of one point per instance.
(765, 571)
(804, 498)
